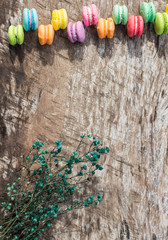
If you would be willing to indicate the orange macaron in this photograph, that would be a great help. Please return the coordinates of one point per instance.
(105, 28)
(46, 34)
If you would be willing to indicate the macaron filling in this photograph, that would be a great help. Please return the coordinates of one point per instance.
(74, 32)
(90, 15)
(30, 14)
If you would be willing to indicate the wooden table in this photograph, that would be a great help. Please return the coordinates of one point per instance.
(116, 89)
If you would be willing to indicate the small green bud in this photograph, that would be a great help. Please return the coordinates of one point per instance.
(48, 224)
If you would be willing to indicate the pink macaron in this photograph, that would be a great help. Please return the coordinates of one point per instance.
(135, 26)
(90, 15)
(76, 32)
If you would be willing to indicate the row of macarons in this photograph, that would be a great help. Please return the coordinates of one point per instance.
(90, 16)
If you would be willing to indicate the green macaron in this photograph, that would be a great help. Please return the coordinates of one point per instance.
(165, 16)
(161, 23)
(16, 35)
(120, 14)
(148, 12)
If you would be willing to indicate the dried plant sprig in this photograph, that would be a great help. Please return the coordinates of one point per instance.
(45, 186)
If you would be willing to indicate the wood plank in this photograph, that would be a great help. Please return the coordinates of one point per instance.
(115, 89)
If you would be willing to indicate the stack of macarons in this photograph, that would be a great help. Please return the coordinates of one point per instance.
(120, 14)
(167, 8)
(59, 19)
(135, 26)
(148, 12)
(105, 28)
(76, 32)
(46, 34)
(30, 19)
(90, 16)
(16, 35)
(161, 23)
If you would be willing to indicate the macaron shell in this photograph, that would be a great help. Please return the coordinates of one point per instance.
(152, 11)
(85, 16)
(124, 15)
(159, 24)
(11, 35)
(110, 28)
(131, 26)
(34, 19)
(101, 28)
(167, 8)
(56, 20)
(165, 16)
(140, 22)
(20, 34)
(144, 12)
(95, 14)
(42, 34)
(50, 34)
(46, 34)
(70, 32)
(116, 14)
(26, 19)
(59, 19)
(64, 18)
(80, 31)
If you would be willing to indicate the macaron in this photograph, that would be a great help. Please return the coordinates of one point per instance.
(16, 35)
(30, 19)
(46, 34)
(161, 23)
(148, 12)
(167, 8)
(105, 28)
(90, 15)
(135, 26)
(59, 19)
(120, 14)
(76, 32)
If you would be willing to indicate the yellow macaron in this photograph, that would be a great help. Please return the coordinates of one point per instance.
(59, 19)
(167, 8)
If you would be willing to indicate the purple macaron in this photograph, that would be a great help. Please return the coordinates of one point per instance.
(76, 32)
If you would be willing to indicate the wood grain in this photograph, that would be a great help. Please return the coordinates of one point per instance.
(117, 90)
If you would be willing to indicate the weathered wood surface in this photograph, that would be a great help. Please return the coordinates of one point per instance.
(115, 89)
